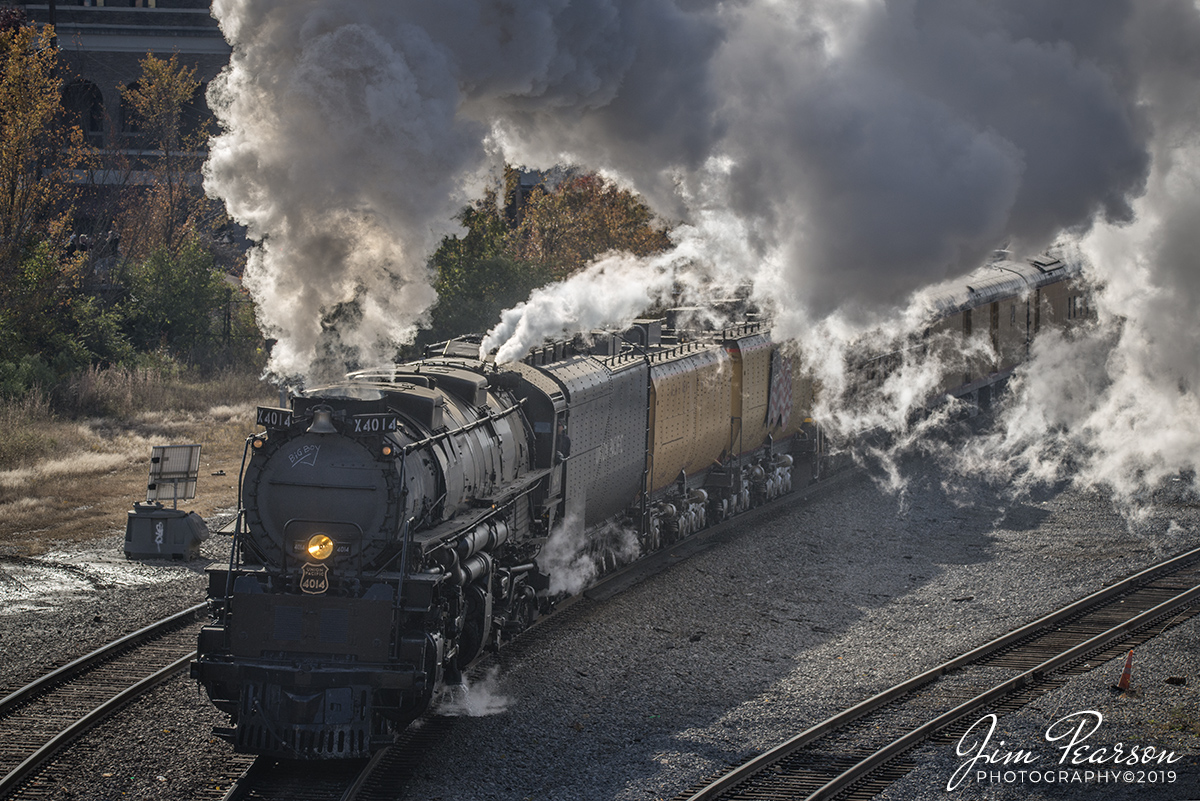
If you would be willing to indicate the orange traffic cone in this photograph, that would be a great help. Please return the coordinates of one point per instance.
(1127, 673)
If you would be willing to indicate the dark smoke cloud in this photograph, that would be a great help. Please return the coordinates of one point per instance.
(839, 155)
(865, 149)
(923, 137)
(354, 130)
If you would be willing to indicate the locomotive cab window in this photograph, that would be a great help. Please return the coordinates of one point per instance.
(1076, 307)
(562, 441)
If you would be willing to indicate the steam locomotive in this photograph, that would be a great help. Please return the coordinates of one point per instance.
(392, 526)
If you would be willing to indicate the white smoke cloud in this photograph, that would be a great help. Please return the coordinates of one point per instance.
(474, 699)
(1119, 403)
(342, 144)
(837, 156)
(615, 288)
(573, 555)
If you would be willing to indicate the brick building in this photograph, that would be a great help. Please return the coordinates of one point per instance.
(102, 42)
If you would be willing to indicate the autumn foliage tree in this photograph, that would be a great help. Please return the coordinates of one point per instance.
(64, 308)
(37, 151)
(477, 275)
(47, 326)
(563, 229)
(178, 299)
(171, 206)
(513, 245)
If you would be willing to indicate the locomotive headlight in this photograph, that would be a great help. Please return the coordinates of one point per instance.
(320, 546)
(386, 450)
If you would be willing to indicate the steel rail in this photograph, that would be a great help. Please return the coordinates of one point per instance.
(63, 675)
(88, 661)
(353, 791)
(926, 730)
(773, 755)
(35, 760)
(243, 784)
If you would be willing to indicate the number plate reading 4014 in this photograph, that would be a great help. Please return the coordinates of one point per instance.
(269, 417)
(374, 423)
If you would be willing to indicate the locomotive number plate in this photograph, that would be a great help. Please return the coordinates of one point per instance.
(314, 579)
(375, 423)
(270, 417)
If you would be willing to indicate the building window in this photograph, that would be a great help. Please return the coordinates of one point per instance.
(196, 121)
(84, 105)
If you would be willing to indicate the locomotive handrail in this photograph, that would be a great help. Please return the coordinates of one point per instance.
(499, 504)
(491, 417)
(238, 519)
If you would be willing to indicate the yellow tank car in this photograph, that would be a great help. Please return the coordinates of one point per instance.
(749, 350)
(690, 403)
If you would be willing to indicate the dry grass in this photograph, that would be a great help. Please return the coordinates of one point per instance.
(73, 479)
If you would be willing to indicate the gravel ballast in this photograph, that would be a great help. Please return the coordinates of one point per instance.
(722, 655)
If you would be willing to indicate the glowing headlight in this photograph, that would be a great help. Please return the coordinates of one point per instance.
(320, 546)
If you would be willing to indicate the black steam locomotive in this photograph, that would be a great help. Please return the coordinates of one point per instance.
(392, 526)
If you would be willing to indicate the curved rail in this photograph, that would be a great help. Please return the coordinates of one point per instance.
(842, 782)
(79, 668)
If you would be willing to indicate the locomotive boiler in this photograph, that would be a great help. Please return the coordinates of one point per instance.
(391, 527)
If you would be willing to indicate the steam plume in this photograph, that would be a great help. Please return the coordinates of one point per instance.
(838, 156)
(572, 556)
(1119, 401)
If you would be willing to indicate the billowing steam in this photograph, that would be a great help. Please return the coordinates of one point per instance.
(572, 556)
(473, 699)
(836, 155)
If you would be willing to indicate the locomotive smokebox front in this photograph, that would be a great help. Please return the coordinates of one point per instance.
(320, 497)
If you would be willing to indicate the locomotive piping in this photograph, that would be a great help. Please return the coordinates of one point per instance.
(405, 533)
(237, 523)
(474, 424)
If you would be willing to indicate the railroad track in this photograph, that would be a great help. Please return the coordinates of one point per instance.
(268, 779)
(43, 717)
(859, 752)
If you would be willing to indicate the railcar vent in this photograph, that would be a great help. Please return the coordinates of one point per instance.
(424, 406)
(333, 624)
(470, 387)
(289, 623)
(1046, 263)
(647, 333)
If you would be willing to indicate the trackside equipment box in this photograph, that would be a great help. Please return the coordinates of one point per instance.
(155, 532)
